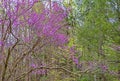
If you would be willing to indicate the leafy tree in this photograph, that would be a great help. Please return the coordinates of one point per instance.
(96, 24)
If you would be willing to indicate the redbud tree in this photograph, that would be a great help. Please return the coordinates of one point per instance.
(27, 29)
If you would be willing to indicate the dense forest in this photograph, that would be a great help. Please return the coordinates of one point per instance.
(59, 40)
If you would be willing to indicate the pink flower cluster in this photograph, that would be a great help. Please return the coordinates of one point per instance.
(37, 70)
(47, 23)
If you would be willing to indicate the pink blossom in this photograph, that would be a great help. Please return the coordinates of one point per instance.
(1, 43)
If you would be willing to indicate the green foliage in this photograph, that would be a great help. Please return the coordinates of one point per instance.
(96, 30)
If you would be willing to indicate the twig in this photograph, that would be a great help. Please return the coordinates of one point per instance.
(24, 74)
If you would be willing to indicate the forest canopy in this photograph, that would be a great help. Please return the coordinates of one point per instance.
(59, 40)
